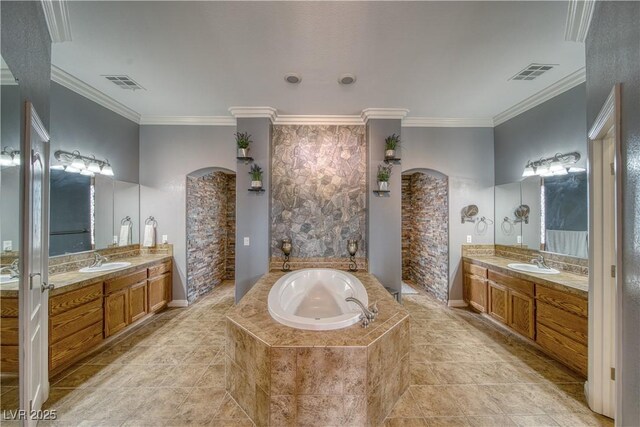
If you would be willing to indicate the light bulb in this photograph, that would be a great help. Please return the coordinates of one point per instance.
(542, 170)
(94, 167)
(78, 163)
(576, 169)
(528, 171)
(57, 167)
(86, 172)
(556, 166)
(107, 170)
(16, 158)
(562, 171)
(5, 159)
(71, 169)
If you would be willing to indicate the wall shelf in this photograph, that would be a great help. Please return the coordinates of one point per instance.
(382, 193)
(394, 160)
(257, 190)
(245, 159)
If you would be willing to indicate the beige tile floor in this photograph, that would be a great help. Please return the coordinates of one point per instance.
(170, 372)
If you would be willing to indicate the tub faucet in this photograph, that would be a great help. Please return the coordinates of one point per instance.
(539, 261)
(13, 269)
(98, 260)
(368, 315)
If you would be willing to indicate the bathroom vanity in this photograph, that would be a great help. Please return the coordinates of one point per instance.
(87, 310)
(550, 310)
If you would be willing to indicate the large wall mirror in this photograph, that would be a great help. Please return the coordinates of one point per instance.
(92, 212)
(544, 213)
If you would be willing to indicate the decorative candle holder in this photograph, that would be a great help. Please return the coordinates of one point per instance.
(352, 247)
(286, 249)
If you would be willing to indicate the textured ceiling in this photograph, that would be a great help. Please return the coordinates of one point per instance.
(437, 59)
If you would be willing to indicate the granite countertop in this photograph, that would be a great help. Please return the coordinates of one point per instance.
(563, 281)
(252, 314)
(72, 280)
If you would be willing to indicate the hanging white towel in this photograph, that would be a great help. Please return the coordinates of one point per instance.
(125, 235)
(149, 236)
(572, 243)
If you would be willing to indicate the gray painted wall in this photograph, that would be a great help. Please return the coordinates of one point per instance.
(613, 56)
(169, 154)
(556, 126)
(466, 156)
(384, 231)
(253, 209)
(78, 123)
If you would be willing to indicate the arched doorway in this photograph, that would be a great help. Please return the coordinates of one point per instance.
(211, 227)
(425, 231)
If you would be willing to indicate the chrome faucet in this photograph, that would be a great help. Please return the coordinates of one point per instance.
(539, 261)
(368, 314)
(13, 269)
(98, 259)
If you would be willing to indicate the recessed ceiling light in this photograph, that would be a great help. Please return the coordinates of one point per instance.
(292, 78)
(347, 79)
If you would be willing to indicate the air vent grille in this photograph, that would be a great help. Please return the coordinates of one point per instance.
(533, 71)
(124, 82)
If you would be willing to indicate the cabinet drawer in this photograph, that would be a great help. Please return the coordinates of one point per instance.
(568, 302)
(569, 352)
(476, 270)
(73, 347)
(9, 331)
(61, 303)
(159, 269)
(74, 320)
(568, 324)
(8, 307)
(114, 285)
(522, 286)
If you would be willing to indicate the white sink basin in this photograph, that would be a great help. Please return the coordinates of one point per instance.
(108, 266)
(531, 268)
(6, 278)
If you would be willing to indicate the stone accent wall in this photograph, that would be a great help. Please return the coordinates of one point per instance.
(318, 194)
(407, 226)
(207, 223)
(230, 269)
(427, 257)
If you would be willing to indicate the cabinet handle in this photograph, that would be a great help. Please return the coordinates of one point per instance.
(48, 287)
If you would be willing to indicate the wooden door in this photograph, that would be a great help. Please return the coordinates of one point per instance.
(497, 301)
(157, 291)
(137, 301)
(477, 292)
(521, 312)
(116, 312)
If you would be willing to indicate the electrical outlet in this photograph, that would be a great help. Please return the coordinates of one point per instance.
(247, 242)
(115, 240)
(7, 245)
(468, 238)
(165, 239)
(519, 239)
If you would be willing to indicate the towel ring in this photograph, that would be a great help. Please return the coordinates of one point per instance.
(151, 221)
(126, 221)
(485, 225)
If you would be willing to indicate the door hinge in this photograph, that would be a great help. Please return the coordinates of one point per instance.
(613, 271)
(30, 406)
(613, 169)
(613, 374)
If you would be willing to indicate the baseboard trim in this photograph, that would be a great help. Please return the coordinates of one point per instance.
(456, 303)
(179, 303)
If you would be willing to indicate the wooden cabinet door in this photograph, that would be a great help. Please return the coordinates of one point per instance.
(137, 301)
(116, 312)
(477, 292)
(158, 291)
(521, 311)
(497, 301)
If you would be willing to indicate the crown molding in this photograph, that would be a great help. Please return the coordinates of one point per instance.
(319, 120)
(78, 86)
(579, 13)
(447, 122)
(188, 120)
(56, 14)
(383, 113)
(254, 112)
(6, 78)
(562, 85)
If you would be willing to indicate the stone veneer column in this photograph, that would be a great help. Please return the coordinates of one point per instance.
(253, 209)
(384, 212)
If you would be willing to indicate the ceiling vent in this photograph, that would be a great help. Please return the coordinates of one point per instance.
(533, 71)
(124, 82)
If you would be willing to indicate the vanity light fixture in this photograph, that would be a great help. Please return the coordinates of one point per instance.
(528, 170)
(74, 162)
(9, 157)
(560, 164)
(576, 169)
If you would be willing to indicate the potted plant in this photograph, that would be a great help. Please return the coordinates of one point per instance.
(256, 176)
(243, 139)
(384, 173)
(390, 145)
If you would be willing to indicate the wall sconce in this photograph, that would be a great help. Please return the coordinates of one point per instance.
(560, 164)
(9, 157)
(352, 247)
(74, 162)
(286, 249)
